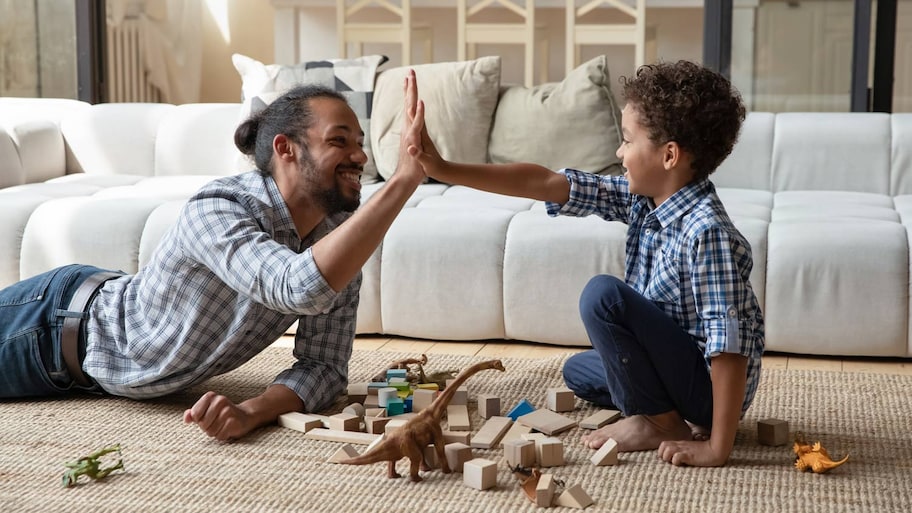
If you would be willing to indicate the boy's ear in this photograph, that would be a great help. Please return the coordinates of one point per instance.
(671, 155)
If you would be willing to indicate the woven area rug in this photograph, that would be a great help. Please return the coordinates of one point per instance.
(174, 467)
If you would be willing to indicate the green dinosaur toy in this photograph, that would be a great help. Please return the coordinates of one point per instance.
(91, 466)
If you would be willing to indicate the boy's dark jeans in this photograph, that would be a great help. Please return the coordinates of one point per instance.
(642, 362)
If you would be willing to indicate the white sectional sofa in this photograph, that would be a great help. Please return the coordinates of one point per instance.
(825, 199)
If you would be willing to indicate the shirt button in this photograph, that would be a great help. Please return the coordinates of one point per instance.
(732, 313)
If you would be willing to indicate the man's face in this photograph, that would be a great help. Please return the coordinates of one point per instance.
(334, 157)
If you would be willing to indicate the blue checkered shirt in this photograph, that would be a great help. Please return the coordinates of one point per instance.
(687, 257)
(226, 281)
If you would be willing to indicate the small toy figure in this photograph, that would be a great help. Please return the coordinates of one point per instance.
(90, 466)
(814, 457)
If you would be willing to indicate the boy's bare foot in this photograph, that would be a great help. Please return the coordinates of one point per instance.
(640, 432)
(700, 433)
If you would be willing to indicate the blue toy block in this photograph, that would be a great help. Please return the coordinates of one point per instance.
(396, 373)
(408, 404)
(395, 407)
(521, 409)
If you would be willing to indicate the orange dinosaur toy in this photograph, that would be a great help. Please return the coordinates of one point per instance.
(814, 457)
(410, 440)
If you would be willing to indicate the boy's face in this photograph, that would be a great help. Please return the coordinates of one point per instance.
(642, 159)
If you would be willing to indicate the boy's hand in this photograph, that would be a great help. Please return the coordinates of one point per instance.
(427, 155)
(687, 452)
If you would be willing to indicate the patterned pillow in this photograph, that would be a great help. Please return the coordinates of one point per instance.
(354, 78)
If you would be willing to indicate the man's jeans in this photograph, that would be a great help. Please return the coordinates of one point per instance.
(31, 361)
(643, 363)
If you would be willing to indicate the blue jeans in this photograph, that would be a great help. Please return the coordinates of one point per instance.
(642, 363)
(31, 318)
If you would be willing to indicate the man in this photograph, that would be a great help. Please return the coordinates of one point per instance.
(249, 255)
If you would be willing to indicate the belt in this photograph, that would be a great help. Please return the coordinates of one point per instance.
(69, 336)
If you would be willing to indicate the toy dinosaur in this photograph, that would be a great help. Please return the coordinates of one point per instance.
(814, 457)
(418, 375)
(91, 466)
(410, 440)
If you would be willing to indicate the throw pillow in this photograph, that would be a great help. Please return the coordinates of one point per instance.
(575, 123)
(354, 78)
(460, 98)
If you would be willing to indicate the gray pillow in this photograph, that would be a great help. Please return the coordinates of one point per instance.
(575, 123)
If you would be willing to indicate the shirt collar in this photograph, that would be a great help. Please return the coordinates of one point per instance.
(283, 221)
(682, 201)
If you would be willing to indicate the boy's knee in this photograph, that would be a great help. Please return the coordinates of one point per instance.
(601, 292)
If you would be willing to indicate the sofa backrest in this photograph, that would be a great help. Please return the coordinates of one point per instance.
(154, 139)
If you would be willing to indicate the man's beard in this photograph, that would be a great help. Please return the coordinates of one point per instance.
(330, 199)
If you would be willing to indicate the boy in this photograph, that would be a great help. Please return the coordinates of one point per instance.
(677, 343)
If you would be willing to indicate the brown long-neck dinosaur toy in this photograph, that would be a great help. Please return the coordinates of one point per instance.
(410, 440)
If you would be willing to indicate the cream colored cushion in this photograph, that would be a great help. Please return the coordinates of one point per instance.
(354, 78)
(460, 99)
(575, 123)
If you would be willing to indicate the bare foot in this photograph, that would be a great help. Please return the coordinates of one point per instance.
(700, 433)
(640, 432)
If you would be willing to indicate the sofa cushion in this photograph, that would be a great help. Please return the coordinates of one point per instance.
(460, 98)
(575, 123)
(354, 78)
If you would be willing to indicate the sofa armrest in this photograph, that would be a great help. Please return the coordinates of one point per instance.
(11, 172)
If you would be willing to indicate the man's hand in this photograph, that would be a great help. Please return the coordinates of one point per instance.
(219, 418)
(412, 128)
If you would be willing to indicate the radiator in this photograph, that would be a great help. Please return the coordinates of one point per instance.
(126, 70)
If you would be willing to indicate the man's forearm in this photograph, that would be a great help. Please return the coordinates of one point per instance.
(266, 407)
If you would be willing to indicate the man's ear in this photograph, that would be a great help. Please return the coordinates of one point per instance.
(283, 147)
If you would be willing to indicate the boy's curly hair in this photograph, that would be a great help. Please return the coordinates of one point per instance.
(691, 105)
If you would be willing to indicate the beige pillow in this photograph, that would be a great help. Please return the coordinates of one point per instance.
(262, 83)
(460, 98)
(575, 123)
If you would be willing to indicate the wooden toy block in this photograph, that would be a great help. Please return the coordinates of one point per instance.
(430, 456)
(374, 387)
(422, 398)
(458, 418)
(456, 436)
(607, 454)
(396, 373)
(377, 441)
(519, 452)
(574, 497)
(428, 386)
(461, 397)
(488, 406)
(599, 419)
(376, 425)
(393, 425)
(372, 401)
(561, 399)
(343, 453)
(355, 409)
(395, 407)
(547, 421)
(385, 394)
(533, 437)
(491, 432)
(332, 435)
(299, 421)
(345, 422)
(549, 452)
(544, 491)
(457, 454)
(357, 392)
(323, 418)
(772, 432)
(480, 473)
(520, 409)
(375, 412)
(515, 433)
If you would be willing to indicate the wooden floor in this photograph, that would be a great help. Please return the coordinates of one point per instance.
(503, 349)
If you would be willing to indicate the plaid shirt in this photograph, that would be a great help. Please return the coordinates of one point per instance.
(687, 257)
(227, 280)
